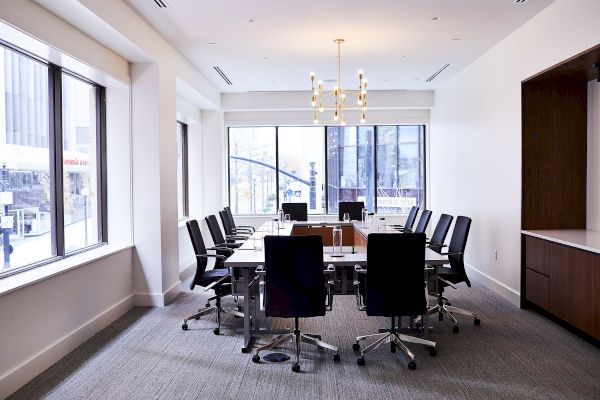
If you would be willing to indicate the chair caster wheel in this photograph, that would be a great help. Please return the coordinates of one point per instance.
(432, 351)
(455, 329)
(296, 367)
(360, 361)
(449, 304)
(216, 331)
(336, 357)
(356, 347)
(207, 304)
(256, 358)
(184, 326)
(477, 321)
(239, 308)
(392, 347)
(412, 365)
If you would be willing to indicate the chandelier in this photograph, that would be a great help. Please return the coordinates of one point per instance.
(320, 97)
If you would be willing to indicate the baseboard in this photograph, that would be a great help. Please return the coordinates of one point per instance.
(188, 262)
(38, 363)
(503, 290)
(156, 299)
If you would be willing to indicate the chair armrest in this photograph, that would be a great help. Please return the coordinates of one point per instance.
(248, 227)
(360, 269)
(429, 244)
(219, 256)
(451, 254)
(217, 282)
(236, 237)
(360, 304)
(243, 230)
(217, 248)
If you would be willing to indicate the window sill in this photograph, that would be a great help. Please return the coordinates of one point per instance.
(32, 276)
(181, 223)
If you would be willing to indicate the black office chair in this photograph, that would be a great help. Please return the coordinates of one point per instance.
(217, 235)
(297, 211)
(217, 279)
(423, 222)
(436, 243)
(395, 287)
(449, 276)
(229, 228)
(238, 228)
(410, 220)
(354, 208)
(294, 282)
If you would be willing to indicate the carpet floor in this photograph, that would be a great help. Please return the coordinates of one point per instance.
(514, 354)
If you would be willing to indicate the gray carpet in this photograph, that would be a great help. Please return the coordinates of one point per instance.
(514, 354)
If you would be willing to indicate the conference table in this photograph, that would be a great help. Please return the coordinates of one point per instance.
(247, 258)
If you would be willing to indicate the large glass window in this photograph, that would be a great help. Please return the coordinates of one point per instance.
(350, 167)
(382, 166)
(182, 167)
(301, 155)
(252, 167)
(50, 173)
(400, 168)
(26, 186)
(80, 169)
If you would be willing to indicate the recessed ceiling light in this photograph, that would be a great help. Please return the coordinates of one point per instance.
(435, 18)
(265, 58)
(416, 79)
(403, 55)
(456, 39)
(212, 43)
(251, 20)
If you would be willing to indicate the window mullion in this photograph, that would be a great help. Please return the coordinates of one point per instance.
(56, 159)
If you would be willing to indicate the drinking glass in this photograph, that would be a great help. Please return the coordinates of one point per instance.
(258, 242)
(346, 217)
(337, 241)
(287, 218)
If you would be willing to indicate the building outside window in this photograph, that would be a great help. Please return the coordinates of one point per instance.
(42, 162)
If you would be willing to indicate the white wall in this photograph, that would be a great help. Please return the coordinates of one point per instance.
(475, 148)
(593, 157)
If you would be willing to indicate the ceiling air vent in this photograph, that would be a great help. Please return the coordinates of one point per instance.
(161, 3)
(222, 74)
(519, 1)
(436, 73)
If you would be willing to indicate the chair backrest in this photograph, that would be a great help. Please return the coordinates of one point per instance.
(226, 222)
(395, 286)
(294, 278)
(230, 216)
(412, 215)
(354, 208)
(297, 211)
(199, 249)
(458, 243)
(423, 221)
(440, 232)
(214, 229)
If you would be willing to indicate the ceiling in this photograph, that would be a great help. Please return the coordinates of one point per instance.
(272, 45)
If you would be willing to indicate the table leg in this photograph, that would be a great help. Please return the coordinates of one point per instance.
(247, 293)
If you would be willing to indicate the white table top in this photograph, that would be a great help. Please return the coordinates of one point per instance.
(579, 238)
(246, 256)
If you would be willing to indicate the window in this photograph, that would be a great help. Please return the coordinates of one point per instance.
(382, 166)
(252, 166)
(400, 168)
(182, 174)
(51, 162)
(300, 156)
(350, 168)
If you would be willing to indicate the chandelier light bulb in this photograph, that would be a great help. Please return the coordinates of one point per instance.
(313, 103)
(321, 109)
(359, 102)
(335, 116)
(312, 76)
(343, 95)
(316, 121)
(343, 123)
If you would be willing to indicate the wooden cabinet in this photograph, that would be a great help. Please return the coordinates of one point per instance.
(564, 281)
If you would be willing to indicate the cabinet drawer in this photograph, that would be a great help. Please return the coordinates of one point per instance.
(537, 288)
(536, 255)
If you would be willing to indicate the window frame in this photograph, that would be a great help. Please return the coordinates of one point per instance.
(184, 171)
(422, 125)
(56, 159)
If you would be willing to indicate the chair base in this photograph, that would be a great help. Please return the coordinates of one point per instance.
(449, 311)
(298, 337)
(217, 308)
(395, 340)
